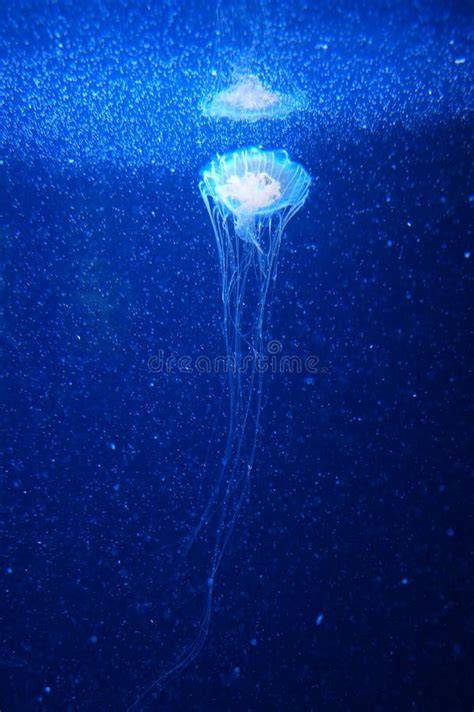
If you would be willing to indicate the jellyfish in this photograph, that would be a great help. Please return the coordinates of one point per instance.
(250, 196)
(248, 99)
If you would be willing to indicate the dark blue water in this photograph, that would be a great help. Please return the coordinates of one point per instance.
(348, 583)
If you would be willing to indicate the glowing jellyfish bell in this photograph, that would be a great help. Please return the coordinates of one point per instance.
(248, 99)
(259, 190)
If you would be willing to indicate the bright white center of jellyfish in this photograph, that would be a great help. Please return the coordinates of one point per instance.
(249, 93)
(250, 192)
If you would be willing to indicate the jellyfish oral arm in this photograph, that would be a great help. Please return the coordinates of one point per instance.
(246, 229)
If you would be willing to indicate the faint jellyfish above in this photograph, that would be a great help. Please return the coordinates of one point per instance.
(247, 99)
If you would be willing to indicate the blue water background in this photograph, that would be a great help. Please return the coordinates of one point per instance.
(348, 582)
